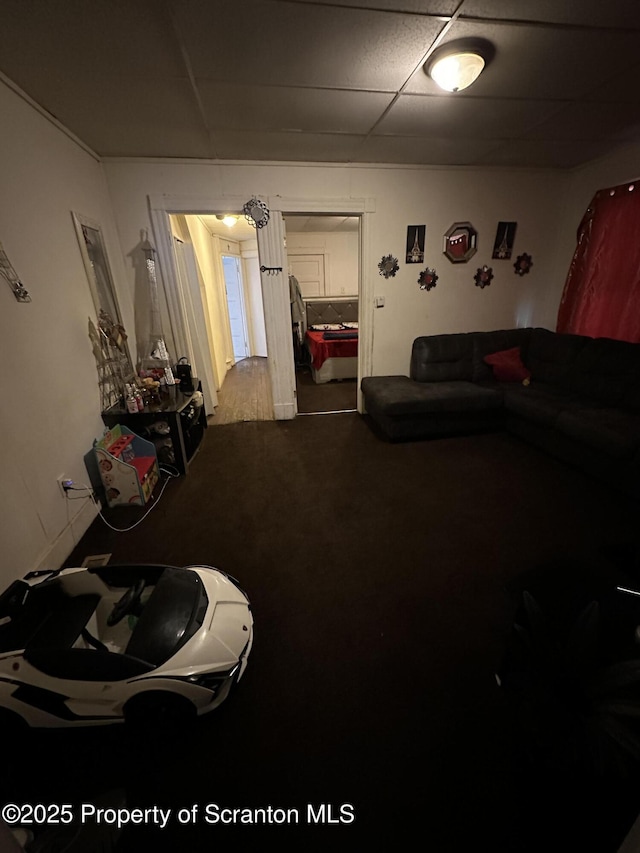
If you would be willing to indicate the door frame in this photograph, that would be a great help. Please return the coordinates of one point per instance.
(275, 288)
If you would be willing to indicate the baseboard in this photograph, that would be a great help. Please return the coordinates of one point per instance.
(56, 553)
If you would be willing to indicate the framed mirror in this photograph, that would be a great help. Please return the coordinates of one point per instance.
(94, 257)
(460, 242)
(108, 337)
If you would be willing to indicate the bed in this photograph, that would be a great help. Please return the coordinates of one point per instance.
(331, 339)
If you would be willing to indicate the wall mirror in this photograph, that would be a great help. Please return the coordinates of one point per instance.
(95, 261)
(460, 242)
(108, 336)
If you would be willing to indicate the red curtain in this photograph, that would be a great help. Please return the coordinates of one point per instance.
(601, 296)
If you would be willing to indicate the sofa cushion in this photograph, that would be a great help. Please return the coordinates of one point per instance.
(604, 370)
(539, 402)
(485, 343)
(442, 358)
(507, 366)
(550, 354)
(400, 395)
(610, 431)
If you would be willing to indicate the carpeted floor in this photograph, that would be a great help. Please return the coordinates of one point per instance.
(334, 396)
(384, 581)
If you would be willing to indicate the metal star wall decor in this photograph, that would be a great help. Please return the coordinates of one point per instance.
(388, 266)
(483, 276)
(256, 213)
(428, 279)
(523, 264)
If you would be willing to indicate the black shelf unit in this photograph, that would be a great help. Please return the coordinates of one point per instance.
(186, 421)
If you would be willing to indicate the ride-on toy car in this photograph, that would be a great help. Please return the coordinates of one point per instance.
(89, 646)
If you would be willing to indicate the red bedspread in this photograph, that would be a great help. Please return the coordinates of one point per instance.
(321, 350)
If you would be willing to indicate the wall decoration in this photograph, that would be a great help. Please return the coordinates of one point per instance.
(256, 213)
(428, 279)
(503, 244)
(155, 360)
(460, 242)
(523, 264)
(7, 271)
(388, 266)
(109, 343)
(483, 276)
(415, 243)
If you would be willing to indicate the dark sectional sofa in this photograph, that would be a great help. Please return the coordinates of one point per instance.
(576, 397)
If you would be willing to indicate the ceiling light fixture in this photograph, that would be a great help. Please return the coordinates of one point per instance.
(228, 218)
(456, 65)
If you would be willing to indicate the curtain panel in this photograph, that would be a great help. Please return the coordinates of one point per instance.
(601, 295)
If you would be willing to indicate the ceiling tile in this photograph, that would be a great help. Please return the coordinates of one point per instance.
(80, 37)
(311, 80)
(305, 147)
(298, 44)
(255, 107)
(402, 149)
(133, 117)
(596, 13)
(541, 154)
(587, 121)
(536, 62)
(479, 118)
(420, 7)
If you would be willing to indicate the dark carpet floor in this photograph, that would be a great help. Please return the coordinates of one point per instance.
(334, 396)
(384, 581)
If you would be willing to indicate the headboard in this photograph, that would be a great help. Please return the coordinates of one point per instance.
(331, 311)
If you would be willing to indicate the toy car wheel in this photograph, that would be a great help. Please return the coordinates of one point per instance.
(156, 707)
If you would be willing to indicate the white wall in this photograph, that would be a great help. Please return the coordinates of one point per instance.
(402, 196)
(50, 399)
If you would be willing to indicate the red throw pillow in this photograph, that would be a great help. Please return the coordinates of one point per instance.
(507, 366)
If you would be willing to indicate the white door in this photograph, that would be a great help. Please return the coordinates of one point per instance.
(309, 270)
(235, 303)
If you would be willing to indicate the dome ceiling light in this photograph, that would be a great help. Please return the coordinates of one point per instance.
(228, 218)
(458, 64)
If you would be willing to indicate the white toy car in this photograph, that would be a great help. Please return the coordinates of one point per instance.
(141, 643)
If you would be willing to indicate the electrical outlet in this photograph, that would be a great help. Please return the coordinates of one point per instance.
(64, 484)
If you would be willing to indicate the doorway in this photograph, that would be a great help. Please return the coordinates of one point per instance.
(236, 306)
(272, 254)
(323, 252)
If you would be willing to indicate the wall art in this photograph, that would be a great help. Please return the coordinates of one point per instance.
(460, 242)
(483, 276)
(428, 279)
(503, 244)
(256, 212)
(388, 266)
(415, 243)
(523, 264)
(7, 272)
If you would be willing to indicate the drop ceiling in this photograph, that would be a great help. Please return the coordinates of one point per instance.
(337, 81)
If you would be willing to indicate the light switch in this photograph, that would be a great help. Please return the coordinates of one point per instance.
(379, 301)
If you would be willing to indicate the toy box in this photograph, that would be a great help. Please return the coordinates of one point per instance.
(128, 466)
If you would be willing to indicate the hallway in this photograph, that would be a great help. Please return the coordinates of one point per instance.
(246, 394)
